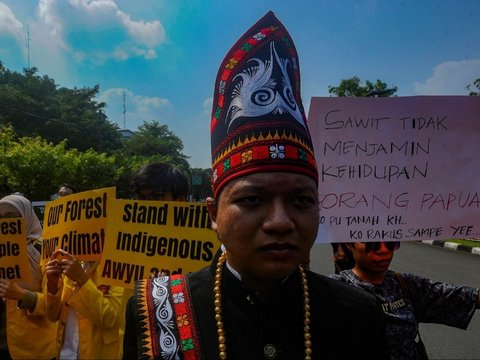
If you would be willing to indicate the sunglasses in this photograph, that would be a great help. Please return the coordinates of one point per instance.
(375, 246)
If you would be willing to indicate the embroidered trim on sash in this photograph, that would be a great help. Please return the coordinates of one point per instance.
(144, 341)
(158, 334)
(182, 304)
(165, 319)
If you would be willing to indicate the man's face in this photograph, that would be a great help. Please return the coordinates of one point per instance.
(373, 261)
(268, 223)
(64, 191)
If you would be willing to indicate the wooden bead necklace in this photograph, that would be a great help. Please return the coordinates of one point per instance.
(217, 289)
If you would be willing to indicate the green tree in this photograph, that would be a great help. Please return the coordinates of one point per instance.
(80, 117)
(24, 100)
(35, 106)
(475, 84)
(50, 135)
(6, 140)
(352, 87)
(36, 167)
(157, 143)
(94, 171)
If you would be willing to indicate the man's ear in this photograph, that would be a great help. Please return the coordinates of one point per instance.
(212, 211)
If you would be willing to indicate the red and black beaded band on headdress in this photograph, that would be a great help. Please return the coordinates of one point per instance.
(258, 122)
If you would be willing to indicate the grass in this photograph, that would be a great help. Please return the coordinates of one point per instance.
(472, 243)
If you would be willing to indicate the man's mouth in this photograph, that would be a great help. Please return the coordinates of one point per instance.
(278, 247)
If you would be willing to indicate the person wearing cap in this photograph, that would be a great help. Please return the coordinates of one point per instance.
(22, 304)
(407, 299)
(256, 301)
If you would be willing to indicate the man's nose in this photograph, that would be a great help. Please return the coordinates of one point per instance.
(278, 218)
(382, 247)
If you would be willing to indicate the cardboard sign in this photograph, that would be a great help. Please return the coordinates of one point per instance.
(399, 168)
(76, 223)
(148, 238)
(14, 263)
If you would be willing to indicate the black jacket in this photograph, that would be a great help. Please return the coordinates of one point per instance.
(346, 323)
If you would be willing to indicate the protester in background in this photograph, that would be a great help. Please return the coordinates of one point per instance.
(342, 258)
(157, 182)
(160, 181)
(25, 332)
(66, 189)
(88, 312)
(419, 300)
(257, 302)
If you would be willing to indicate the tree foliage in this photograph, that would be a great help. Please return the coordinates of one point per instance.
(352, 87)
(156, 142)
(35, 167)
(94, 170)
(50, 135)
(35, 106)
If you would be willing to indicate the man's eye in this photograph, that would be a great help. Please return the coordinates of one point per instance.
(249, 200)
(304, 200)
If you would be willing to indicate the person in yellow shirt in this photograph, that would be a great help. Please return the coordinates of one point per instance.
(25, 332)
(89, 313)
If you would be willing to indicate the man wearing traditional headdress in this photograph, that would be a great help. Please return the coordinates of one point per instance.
(256, 301)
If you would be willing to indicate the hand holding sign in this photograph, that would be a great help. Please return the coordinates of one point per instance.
(71, 267)
(10, 290)
(54, 270)
(62, 262)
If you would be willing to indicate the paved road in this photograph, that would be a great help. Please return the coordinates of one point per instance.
(440, 264)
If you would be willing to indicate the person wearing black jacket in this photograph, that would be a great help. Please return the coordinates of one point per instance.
(256, 301)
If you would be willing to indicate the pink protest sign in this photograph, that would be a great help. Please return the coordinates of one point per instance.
(399, 168)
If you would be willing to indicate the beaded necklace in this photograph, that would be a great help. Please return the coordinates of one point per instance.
(217, 289)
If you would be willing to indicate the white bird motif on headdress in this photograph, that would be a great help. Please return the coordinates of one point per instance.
(258, 93)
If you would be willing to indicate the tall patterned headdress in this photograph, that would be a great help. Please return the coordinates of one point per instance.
(258, 121)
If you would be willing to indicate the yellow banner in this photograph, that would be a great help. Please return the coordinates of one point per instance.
(13, 250)
(76, 223)
(147, 238)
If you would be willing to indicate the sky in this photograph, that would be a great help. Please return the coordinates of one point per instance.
(157, 60)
